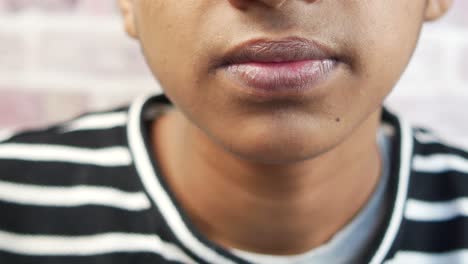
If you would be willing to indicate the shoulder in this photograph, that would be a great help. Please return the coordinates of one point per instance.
(90, 130)
(440, 167)
(434, 154)
(78, 165)
(70, 185)
(439, 178)
(62, 154)
(436, 210)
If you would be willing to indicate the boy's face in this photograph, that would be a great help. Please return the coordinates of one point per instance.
(185, 40)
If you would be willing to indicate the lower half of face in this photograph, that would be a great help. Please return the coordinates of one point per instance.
(228, 69)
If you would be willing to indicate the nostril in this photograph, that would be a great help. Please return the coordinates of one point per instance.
(243, 4)
(240, 4)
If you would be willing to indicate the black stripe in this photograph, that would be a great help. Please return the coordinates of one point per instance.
(114, 258)
(69, 174)
(438, 186)
(427, 149)
(435, 237)
(423, 130)
(81, 220)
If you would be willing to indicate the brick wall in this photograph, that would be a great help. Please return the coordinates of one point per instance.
(61, 57)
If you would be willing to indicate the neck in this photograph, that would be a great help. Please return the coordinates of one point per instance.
(272, 209)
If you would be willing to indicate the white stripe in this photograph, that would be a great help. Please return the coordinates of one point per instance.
(5, 135)
(436, 211)
(412, 257)
(440, 163)
(398, 210)
(159, 195)
(432, 138)
(44, 245)
(72, 196)
(426, 137)
(113, 156)
(97, 121)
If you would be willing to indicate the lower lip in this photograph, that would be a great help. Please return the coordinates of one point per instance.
(269, 78)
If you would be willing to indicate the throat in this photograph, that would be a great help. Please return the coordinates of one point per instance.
(277, 210)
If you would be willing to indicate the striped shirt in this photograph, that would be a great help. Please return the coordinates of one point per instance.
(90, 191)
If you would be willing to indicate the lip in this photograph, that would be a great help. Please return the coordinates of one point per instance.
(283, 50)
(289, 66)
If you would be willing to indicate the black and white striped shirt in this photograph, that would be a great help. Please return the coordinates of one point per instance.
(90, 191)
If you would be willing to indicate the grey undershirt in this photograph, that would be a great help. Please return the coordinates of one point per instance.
(352, 242)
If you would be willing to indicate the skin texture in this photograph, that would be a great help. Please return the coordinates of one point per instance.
(310, 163)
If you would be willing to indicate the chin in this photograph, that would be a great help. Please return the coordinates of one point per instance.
(279, 148)
(278, 155)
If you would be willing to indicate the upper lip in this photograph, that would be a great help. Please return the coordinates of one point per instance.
(283, 50)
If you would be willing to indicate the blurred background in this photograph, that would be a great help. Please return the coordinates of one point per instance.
(59, 58)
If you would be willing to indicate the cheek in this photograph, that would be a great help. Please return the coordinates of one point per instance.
(379, 43)
(167, 43)
(177, 49)
(383, 44)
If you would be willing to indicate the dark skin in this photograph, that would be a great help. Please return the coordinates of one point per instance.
(273, 176)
